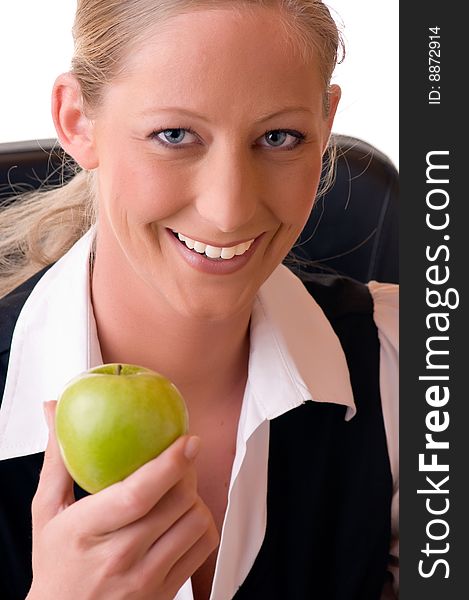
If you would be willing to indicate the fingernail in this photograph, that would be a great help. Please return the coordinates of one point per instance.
(192, 447)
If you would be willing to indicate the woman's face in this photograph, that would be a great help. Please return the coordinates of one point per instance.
(215, 132)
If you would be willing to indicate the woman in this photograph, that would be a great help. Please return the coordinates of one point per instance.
(200, 128)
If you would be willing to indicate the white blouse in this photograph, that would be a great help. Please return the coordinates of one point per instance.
(295, 357)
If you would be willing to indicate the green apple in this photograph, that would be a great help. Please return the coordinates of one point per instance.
(114, 418)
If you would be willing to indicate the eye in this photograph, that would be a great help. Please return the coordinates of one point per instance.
(277, 138)
(174, 137)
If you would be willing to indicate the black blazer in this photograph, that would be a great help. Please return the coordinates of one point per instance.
(329, 481)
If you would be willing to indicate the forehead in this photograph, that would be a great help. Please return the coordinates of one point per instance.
(230, 59)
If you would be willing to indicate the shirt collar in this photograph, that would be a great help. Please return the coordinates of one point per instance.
(295, 355)
(292, 339)
(50, 345)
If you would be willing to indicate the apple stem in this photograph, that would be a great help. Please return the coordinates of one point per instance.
(118, 369)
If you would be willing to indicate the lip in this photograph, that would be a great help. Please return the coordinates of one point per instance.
(203, 264)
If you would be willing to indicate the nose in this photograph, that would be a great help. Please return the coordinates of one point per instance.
(228, 191)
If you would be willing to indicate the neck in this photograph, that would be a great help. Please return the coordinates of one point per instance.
(207, 360)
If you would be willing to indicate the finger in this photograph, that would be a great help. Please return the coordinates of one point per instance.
(131, 499)
(55, 488)
(139, 536)
(173, 545)
(131, 543)
(194, 558)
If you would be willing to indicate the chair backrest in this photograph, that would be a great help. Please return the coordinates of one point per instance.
(25, 166)
(352, 229)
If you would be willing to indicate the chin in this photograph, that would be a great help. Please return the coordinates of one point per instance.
(222, 307)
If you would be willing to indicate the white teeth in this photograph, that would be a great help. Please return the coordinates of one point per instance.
(199, 247)
(214, 251)
(242, 248)
(228, 253)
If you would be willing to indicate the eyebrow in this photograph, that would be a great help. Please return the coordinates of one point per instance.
(190, 113)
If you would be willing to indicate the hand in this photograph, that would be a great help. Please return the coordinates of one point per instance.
(140, 538)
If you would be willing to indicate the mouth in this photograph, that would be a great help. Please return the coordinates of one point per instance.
(216, 253)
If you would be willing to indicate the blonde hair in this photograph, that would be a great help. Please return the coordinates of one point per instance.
(37, 228)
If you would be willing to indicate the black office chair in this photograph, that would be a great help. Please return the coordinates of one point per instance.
(25, 166)
(352, 229)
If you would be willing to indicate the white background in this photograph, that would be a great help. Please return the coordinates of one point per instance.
(36, 45)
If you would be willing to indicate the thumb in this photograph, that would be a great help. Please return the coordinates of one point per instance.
(55, 489)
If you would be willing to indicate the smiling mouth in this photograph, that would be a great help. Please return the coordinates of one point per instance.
(214, 252)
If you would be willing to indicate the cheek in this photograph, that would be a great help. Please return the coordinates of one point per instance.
(294, 191)
(145, 190)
